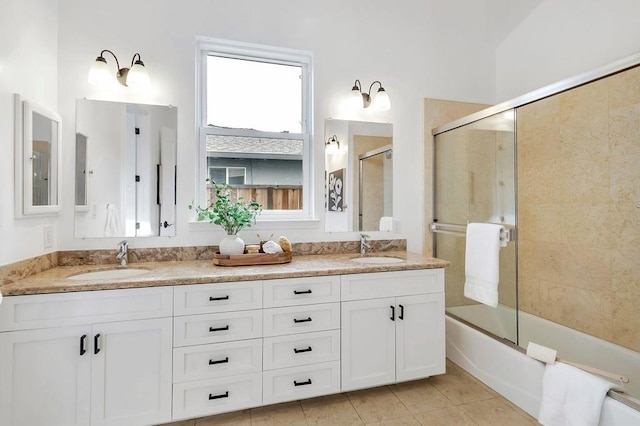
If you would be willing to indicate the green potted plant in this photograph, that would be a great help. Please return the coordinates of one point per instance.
(232, 215)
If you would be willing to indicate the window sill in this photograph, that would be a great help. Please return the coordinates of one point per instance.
(263, 225)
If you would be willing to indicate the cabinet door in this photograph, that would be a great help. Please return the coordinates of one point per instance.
(368, 343)
(420, 338)
(131, 372)
(44, 377)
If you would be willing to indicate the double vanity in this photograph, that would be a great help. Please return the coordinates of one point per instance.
(177, 340)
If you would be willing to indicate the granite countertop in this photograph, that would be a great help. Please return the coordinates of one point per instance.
(56, 280)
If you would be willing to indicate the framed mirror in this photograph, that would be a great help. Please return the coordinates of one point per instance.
(359, 176)
(37, 159)
(125, 169)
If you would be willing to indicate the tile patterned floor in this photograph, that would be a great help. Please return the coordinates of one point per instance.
(455, 398)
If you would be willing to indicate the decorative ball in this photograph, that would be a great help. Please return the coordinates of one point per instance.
(285, 244)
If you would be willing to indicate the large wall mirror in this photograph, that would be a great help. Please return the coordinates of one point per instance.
(37, 152)
(125, 169)
(359, 176)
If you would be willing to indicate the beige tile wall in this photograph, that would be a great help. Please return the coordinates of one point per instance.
(579, 226)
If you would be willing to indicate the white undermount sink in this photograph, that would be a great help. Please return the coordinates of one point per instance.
(113, 274)
(377, 260)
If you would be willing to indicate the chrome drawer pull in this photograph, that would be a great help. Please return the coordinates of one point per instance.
(308, 382)
(301, 320)
(225, 328)
(213, 299)
(222, 395)
(302, 350)
(220, 361)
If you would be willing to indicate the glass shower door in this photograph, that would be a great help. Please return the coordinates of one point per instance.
(474, 168)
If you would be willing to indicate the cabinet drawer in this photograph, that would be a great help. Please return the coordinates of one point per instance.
(215, 328)
(289, 384)
(391, 284)
(301, 349)
(206, 397)
(55, 310)
(219, 297)
(301, 319)
(301, 291)
(217, 360)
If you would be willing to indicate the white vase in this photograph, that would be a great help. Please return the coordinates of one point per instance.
(231, 244)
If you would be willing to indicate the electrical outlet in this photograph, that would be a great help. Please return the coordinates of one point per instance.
(48, 236)
(396, 226)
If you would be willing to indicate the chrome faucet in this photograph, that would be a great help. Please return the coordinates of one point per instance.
(123, 254)
(364, 246)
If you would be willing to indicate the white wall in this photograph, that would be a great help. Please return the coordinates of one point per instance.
(28, 66)
(562, 38)
(423, 48)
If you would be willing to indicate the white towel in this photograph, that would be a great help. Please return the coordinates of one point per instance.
(482, 263)
(386, 223)
(112, 226)
(571, 397)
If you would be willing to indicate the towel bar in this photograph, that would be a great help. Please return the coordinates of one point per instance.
(508, 234)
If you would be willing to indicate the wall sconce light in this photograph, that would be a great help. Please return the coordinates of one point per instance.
(332, 145)
(135, 76)
(358, 99)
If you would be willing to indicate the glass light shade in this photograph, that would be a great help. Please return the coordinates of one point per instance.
(332, 148)
(381, 101)
(355, 100)
(99, 72)
(138, 77)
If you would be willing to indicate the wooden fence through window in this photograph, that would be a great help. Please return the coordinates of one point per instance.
(281, 197)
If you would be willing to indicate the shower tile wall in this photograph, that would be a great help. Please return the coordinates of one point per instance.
(579, 227)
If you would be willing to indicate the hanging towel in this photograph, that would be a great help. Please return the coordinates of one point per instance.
(112, 226)
(482, 263)
(571, 397)
(386, 223)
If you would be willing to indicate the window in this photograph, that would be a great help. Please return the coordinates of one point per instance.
(231, 175)
(255, 124)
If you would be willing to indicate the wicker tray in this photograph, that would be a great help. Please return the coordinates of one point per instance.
(251, 259)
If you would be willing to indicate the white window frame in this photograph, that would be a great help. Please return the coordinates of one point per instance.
(240, 50)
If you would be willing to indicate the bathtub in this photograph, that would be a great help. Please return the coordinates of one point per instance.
(518, 377)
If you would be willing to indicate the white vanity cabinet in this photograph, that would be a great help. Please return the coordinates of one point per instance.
(301, 338)
(217, 355)
(392, 327)
(86, 358)
(153, 355)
